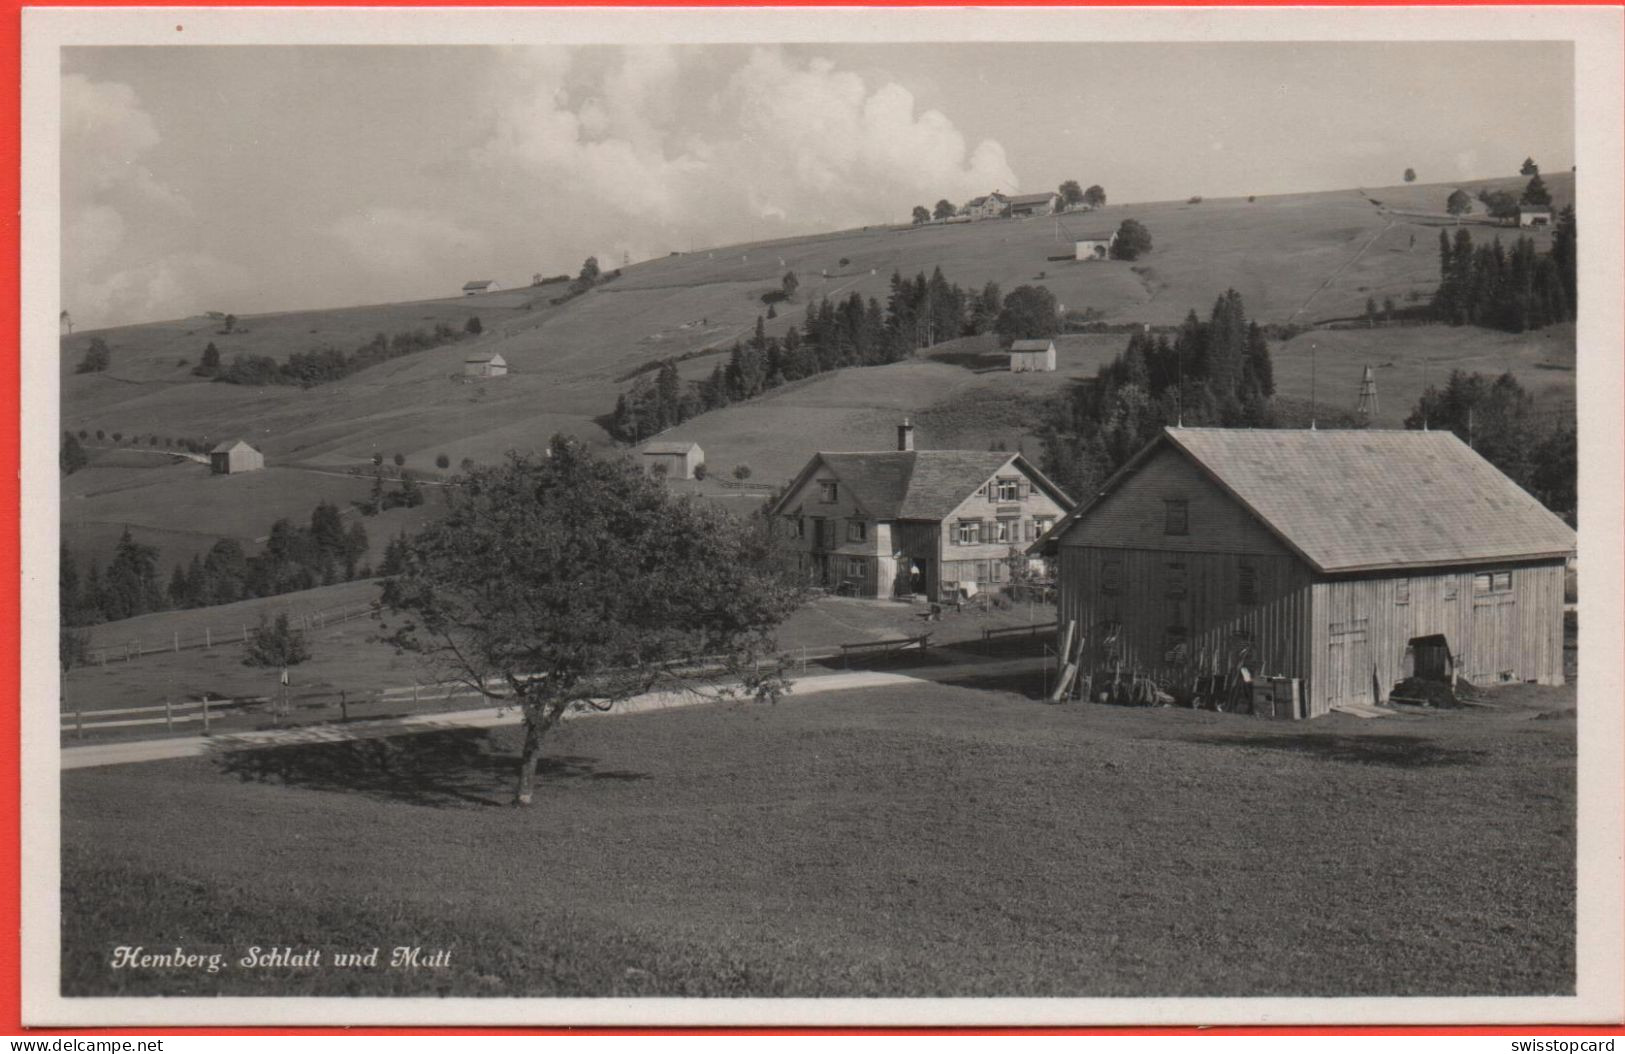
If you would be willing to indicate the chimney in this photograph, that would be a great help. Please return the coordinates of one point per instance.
(905, 436)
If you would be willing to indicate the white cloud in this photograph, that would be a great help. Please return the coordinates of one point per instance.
(409, 240)
(172, 286)
(659, 145)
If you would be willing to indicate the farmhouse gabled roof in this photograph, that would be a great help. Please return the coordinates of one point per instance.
(1031, 199)
(479, 283)
(916, 484)
(670, 447)
(1032, 345)
(1361, 500)
(229, 445)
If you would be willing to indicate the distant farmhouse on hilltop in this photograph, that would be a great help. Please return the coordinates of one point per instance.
(989, 206)
(1034, 204)
(234, 456)
(937, 523)
(481, 285)
(1534, 216)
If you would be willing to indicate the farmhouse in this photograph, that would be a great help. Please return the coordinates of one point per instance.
(986, 207)
(1346, 559)
(1032, 356)
(481, 285)
(1033, 204)
(1096, 245)
(1534, 217)
(487, 364)
(679, 459)
(234, 456)
(938, 523)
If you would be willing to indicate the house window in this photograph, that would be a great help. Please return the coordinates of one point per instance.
(1402, 591)
(1042, 524)
(1007, 530)
(970, 532)
(1247, 585)
(1176, 516)
(828, 491)
(799, 527)
(1492, 582)
(855, 568)
(1008, 490)
(856, 530)
(982, 571)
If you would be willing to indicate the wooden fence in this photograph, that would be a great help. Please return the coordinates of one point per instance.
(100, 654)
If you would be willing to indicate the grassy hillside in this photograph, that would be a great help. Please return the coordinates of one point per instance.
(1294, 257)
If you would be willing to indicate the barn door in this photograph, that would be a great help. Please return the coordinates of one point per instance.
(1348, 663)
(1492, 650)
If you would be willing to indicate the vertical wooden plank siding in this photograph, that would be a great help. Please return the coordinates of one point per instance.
(1516, 635)
(1153, 593)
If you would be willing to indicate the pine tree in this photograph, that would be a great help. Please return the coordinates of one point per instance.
(132, 579)
(355, 547)
(1536, 193)
(72, 457)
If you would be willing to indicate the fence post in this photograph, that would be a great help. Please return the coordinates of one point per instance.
(177, 640)
(207, 643)
(205, 713)
(414, 693)
(245, 632)
(78, 723)
(169, 715)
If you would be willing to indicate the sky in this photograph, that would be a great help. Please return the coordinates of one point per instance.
(249, 179)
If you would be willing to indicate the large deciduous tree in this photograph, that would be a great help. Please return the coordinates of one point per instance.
(1133, 240)
(569, 580)
(1071, 193)
(1458, 203)
(921, 214)
(945, 210)
(1030, 312)
(1095, 196)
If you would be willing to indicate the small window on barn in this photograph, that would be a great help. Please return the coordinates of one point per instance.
(1009, 490)
(1481, 583)
(1176, 516)
(1111, 577)
(1247, 585)
(828, 491)
(856, 569)
(1502, 582)
(970, 532)
(856, 530)
(1402, 591)
(1175, 645)
(1175, 583)
(1448, 591)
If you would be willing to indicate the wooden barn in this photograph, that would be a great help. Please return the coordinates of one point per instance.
(487, 364)
(906, 522)
(1032, 356)
(1096, 245)
(679, 459)
(481, 285)
(1349, 560)
(234, 456)
(1033, 204)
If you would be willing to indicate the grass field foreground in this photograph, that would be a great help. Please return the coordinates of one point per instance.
(914, 841)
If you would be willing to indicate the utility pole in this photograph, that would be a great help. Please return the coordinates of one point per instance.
(1311, 386)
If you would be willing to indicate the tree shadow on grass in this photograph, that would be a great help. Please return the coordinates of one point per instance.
(1405, 752)
(439, 770)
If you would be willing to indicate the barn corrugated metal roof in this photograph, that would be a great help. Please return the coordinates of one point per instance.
(1367, 500)
(672, 447)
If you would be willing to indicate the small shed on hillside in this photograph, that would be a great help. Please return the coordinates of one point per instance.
(481, 285)
(1032, 356)
(1348, 560)
(1096, 245)
(1534, 217)
(679, 459)
(234, 456)
(488, 364)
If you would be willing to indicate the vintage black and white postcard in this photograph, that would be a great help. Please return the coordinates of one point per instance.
(825, 516)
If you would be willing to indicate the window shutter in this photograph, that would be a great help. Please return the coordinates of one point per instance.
(992, 490)
(1024, 488)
